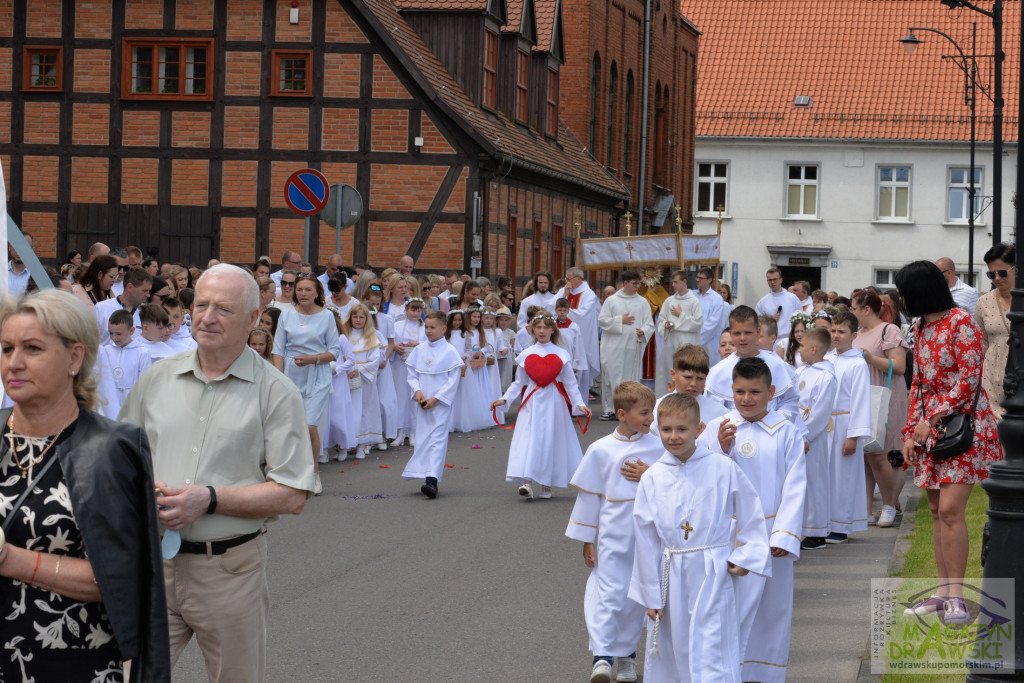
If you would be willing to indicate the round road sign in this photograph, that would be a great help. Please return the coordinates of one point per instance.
(306, 192)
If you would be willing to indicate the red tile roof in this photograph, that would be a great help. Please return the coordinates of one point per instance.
(566, 160)
(514, 8)
(451, 5)
(756, 56)
(546, 12)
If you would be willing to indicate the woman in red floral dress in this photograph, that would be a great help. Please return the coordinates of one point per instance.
(948, 360)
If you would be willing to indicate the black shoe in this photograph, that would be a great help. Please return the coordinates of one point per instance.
(429, 489)
(812, 543)
(836, 538)
(607, 416)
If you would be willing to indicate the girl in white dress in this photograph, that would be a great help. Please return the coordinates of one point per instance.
(545, 449)
(470, 411)
(453, 328)
(494, 350)
(385, 326)
(367, 351)
(507, 363)
(343, 413)
(409, 333)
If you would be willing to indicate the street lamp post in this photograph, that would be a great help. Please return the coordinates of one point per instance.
(1005, 483)
(969, 65)
(996, 15)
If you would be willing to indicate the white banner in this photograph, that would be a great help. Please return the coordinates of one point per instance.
(616, 252)
(700, 248)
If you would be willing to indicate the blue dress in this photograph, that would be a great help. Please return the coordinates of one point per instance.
(302, 335)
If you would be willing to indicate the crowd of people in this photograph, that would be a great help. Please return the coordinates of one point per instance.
(777, 423)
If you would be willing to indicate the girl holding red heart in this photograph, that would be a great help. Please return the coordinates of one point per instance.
(545, 450)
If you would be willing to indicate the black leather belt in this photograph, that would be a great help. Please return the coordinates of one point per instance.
(216, 547)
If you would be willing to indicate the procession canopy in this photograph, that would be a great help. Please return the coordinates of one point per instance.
(672, 250)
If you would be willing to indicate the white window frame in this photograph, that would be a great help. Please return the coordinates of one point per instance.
(979, 192)
(893, 185)
(711, 180)
(802, 183)
(889, 282)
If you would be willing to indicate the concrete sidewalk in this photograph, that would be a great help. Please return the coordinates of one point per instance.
(832, 602)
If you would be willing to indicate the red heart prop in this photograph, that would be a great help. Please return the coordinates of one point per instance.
(543, 369)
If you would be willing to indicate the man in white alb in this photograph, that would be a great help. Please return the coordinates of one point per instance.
(779, 302)
(627, 326)
(542, 296)
(716, 313)
(585, 309)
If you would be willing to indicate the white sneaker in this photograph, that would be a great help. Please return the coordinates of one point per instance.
(545, 492)
(887, 516)
(382, 446)
(360, 453)
(324, 459)
(398, 440)
(627, 670)
(341, 455)
(526, 491)
(602, 672)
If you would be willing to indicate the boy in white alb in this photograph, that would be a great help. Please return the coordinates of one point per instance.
(770, 451)
(603, 515)
(699, 530)
(817, 384)
(433, 376)
(154, 325)
(180, 337)
(690, 365)
(122, 360)
(744, 331)
(571, 335)
(851, 422)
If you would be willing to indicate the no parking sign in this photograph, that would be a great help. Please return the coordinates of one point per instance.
(306, 192)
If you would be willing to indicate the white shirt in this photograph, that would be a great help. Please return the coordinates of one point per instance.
(17, 283)
(964, 296)
(772, 301)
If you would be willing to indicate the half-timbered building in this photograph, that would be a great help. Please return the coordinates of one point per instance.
(174, 124)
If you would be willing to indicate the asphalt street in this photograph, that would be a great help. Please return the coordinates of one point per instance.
(373, 582)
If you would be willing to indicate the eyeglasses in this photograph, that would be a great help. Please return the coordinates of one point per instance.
(947, 270)
(1001, 273)
(775, 279)
(124, 269)
(287, 283)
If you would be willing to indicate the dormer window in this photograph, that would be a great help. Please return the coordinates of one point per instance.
(488, 98)
(551, 108)
(522, 85)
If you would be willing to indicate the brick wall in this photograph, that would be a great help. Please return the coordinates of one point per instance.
(615, 31)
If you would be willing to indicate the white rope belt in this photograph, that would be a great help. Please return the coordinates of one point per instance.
(665, 566)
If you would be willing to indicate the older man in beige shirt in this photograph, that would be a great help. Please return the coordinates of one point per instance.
(230, 452)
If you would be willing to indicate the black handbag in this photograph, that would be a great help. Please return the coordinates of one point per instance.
(956, 431)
